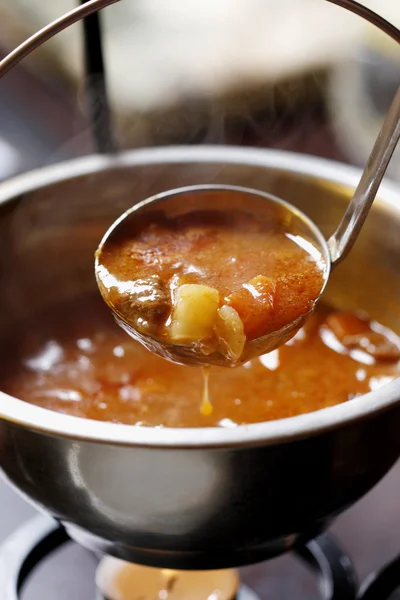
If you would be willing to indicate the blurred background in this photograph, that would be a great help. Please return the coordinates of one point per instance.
(300, 75)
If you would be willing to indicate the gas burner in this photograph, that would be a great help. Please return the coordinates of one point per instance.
(242, 593)
(41, 539)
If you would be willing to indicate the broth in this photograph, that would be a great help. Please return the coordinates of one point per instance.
(81, 363)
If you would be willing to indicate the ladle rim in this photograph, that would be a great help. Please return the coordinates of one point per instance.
(310, 424)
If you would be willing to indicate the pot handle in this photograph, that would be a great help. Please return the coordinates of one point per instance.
(353, 219)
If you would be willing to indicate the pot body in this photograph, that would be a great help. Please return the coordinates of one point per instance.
(201, 506)
(199, 509)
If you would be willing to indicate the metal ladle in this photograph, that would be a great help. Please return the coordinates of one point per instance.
(332, 251)
(225, 197)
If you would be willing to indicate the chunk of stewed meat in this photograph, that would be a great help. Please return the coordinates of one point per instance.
(147, 299)
(355, 332)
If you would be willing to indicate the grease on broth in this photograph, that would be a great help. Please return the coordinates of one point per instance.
(76, 360)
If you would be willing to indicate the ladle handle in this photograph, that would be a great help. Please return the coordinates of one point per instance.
(353, 219)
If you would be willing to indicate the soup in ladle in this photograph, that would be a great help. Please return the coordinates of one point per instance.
(209, 281)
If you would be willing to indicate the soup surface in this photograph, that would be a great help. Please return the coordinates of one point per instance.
(78, 361)
(214, 280)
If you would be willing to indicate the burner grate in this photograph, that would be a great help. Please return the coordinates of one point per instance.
(24, 550)
(383, 584)
(39, 538)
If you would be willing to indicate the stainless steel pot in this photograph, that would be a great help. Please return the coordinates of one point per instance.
(200, 498)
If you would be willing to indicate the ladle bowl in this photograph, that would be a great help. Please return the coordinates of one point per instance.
(181, 201)
(191, 498)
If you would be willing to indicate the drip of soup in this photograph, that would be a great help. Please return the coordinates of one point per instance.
(76, 360)
(212, 281)
(206, 407)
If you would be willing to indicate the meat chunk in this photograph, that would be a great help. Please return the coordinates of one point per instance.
(355, 332)
(147, 299)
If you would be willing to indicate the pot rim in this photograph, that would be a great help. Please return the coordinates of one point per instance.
(267, 433)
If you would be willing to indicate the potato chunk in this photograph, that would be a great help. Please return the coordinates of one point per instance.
(194, 314)
(254, 302)
(230, 331)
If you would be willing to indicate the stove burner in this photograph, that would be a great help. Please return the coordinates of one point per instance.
(37, 539)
